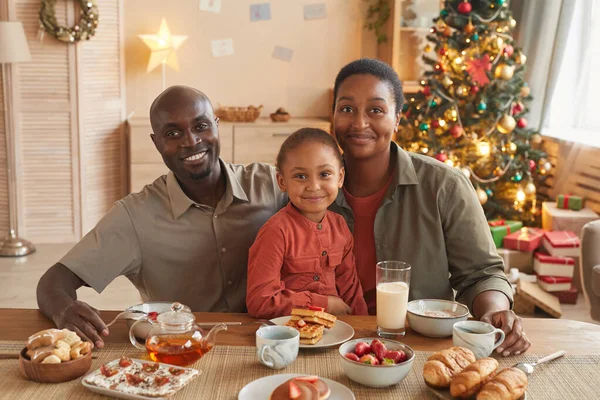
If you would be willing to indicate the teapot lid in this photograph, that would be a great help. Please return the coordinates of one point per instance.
(177, 316)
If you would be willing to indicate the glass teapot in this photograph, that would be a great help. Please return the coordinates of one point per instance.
(175, 338)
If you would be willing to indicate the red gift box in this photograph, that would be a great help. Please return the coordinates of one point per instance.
(567, 296)
(562, 243)
(547, 265)
(554, 283)
(526, 239)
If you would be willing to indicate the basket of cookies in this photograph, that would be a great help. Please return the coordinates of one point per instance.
(238, 114)
(55, 355)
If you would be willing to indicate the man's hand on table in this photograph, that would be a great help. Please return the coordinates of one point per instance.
(84, 320)
(515, 342)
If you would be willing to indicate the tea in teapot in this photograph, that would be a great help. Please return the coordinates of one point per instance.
(175, 338)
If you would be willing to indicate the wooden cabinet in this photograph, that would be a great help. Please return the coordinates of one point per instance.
(241, 143)
(406, 30)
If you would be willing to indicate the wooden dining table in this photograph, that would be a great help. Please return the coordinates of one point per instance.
(546, 335)
(232, 365)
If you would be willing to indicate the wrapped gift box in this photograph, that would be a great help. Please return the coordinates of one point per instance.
(523, 261)
(569, 202)
(548, 265)
(526, 239)
(556, 219)
(562, 244)
(500, 228)
(554, 283)
(567, 296)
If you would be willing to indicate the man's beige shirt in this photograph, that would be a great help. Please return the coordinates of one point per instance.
(431, 218)
(172, 249)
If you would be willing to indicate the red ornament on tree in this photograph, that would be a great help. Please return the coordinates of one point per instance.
(522, 123)
(443, 51)
(426, 91)
(441, 157)
(464, 7)
(435, 123)
(509, 50)
(517, 108)
(456, 131)
(531, 165)
(474, 89)
(478, 68)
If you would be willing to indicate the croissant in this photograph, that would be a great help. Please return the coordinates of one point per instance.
(468, 382)
(443, 365)
(509, 384)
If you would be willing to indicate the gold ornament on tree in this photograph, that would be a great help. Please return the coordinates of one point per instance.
(525, 91)
(521, 58)
(504, 71)
(530, 189)
(536, 138)
(83, 30)
(506, 124)
(447, 81)
(482, 196)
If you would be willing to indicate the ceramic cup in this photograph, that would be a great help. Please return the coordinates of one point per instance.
(277, 346)
(479, 337)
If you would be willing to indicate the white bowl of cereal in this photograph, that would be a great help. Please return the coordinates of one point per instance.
(435, 318)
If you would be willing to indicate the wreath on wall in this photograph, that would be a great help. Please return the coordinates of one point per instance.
(84, 29)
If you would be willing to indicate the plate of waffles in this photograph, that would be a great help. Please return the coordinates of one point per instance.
(317, 328)
(292, 386)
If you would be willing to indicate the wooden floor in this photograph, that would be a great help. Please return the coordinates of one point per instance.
(19, 277)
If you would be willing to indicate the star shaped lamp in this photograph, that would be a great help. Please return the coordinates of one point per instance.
(162, 49)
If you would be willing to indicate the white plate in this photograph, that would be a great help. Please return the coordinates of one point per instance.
(121, 395)
(262, 388)
(340, 333)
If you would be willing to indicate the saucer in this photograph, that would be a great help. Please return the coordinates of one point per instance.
(262, 388)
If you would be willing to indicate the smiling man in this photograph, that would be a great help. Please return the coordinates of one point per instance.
(185, 237)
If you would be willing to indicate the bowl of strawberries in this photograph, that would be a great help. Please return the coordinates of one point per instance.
(376, 362)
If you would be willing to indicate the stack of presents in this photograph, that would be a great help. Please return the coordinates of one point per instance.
(543, 263)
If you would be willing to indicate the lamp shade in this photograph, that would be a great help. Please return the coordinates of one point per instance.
(13, 43)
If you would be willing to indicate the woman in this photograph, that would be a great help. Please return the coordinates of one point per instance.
(409, 207)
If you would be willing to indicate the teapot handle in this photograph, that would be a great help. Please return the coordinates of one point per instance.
(132, 337)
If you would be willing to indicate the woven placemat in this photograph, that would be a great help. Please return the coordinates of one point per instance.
(227, 369)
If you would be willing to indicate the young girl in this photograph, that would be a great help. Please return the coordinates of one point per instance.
(303, 255)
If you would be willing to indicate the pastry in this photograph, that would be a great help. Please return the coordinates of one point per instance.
(309, 333)
(80, 349)
(441, 367)
(317, 314)
(315, 320)
(509, 384)
(46, 338)
(52, 359)
(467, 383)
(39, 354)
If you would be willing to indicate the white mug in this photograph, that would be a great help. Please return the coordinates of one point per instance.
(479, 337)
(277, 346)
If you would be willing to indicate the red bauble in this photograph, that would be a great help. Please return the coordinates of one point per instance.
(435, 124)
(474, 89)
(509, 50)
(517, 108)
(532, 165)
(464, 8)
(456, 131)
(522, 123)
(443, 51)
(426, 91)
(441, 157)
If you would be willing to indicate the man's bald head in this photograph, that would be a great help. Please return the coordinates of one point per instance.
(175, 97)
(186, 132)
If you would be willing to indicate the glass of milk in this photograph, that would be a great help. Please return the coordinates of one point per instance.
(393, 282)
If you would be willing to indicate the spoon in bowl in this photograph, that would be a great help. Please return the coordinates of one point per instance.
(528, 368)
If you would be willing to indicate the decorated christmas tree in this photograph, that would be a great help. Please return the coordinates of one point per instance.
(471, 110)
